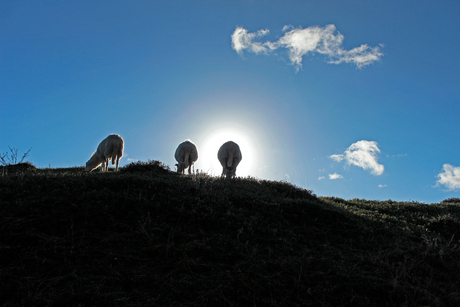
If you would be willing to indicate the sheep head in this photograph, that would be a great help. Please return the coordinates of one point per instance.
(92, 163)
(229, 172)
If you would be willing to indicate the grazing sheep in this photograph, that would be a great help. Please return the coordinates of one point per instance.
(229, 156)
(186, 154)
(109, 149)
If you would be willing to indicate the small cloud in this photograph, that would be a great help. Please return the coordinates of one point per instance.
(335, 176)
(300, 42)
(321, 177)
(449, 177)
(287, 27)
(337, 158)
(241, 40)
(362, 154)
(396, 156)
(382, 185)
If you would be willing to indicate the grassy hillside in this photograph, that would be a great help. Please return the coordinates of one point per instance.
(146, 236)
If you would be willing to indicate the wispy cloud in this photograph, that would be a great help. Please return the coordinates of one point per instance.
(396, 156)
(335, 176)
(321, 177)
(241, 40)
(300, 42)
(449, 177)
(382, 185)
(362, 154)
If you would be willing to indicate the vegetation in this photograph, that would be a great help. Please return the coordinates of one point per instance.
(452, 200)
(11, 158)
(146, 236)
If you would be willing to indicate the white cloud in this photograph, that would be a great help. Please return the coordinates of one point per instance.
(335, 176)
(382, 185)
(241, 40)
(337, 158)
(300, 42)
(362, 154)
(321, 177)
(450, 177)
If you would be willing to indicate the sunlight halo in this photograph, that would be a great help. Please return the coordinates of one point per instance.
(212, 142)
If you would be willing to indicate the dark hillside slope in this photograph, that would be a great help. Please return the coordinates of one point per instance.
(146, 236)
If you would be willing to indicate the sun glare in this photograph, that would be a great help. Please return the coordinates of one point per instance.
(208, 161)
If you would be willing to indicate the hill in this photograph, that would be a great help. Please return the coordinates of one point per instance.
(146, 236)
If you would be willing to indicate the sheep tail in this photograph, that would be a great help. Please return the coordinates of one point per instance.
(187, 159)
(230, 159)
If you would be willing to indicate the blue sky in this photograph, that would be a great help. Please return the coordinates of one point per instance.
(353, 99)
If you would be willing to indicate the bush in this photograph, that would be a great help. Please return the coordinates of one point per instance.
(16, 168)
(142, 167)
(451, 200)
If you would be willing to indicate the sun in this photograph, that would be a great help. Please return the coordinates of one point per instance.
(208, 161)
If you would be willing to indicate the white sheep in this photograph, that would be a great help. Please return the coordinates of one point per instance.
(109, 149)
(229, 156)
(186, 154)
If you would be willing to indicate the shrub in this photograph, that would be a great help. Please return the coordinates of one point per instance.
(16, 168)
(451, 200)
(142, 167)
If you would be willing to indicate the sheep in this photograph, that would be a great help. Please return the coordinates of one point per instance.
(109, 149)
(229, 156)
(186, 155)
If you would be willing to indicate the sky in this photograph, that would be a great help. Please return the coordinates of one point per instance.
(351, 99)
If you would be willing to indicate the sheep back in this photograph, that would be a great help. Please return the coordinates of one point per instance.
(229, 156)
(111, 148)
(186, 155)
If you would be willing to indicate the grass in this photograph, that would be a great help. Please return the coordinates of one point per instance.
(146, 236)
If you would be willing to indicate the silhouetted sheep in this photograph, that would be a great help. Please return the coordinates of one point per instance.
(109, 149)
(229, 156)
(186, 154)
